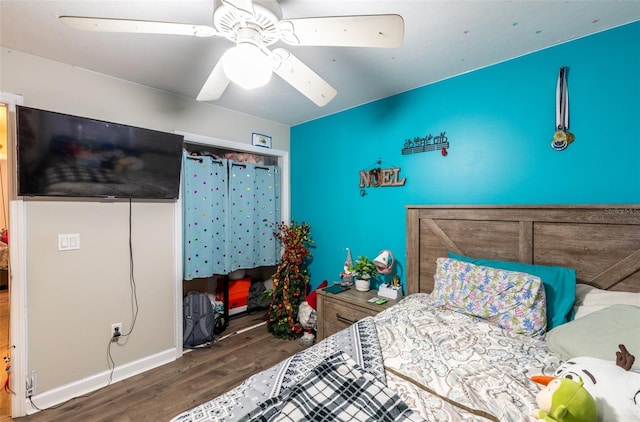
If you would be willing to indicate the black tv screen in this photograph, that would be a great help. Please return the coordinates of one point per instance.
(72, 156)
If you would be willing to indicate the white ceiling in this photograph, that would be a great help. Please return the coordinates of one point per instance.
(442, 39)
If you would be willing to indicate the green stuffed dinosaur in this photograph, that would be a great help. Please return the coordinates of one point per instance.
(564, 400)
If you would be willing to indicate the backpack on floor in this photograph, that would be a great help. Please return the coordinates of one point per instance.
(198, 322)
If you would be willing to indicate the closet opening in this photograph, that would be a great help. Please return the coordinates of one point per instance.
(238, 290)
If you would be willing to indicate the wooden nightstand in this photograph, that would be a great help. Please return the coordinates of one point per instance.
(338, 311)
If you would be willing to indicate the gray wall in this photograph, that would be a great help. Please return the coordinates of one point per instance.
(73, 297)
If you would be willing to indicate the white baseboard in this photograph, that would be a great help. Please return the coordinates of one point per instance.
(97, 381)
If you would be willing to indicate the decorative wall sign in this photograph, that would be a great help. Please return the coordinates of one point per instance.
(380, 177)
(425, 144)
(261, 140)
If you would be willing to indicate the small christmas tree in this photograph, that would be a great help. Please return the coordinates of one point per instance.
(290, 280)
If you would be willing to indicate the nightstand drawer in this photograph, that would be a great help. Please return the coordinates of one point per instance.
(338, 316)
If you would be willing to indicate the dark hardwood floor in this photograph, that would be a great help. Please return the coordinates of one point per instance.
(200, 375)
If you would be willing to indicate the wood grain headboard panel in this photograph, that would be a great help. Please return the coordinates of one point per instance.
(601, 242)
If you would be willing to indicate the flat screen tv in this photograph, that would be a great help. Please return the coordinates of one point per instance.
(71, 156)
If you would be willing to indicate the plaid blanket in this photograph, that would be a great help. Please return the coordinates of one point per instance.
(335, 390)
(359, 341)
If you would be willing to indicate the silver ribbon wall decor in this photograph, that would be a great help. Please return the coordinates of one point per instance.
(562, 137)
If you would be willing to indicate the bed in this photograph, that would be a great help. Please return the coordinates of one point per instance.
(477, 322)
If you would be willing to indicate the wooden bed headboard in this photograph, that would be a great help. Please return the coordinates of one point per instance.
(601, 242)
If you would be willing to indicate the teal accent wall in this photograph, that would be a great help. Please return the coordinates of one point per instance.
(499, 121)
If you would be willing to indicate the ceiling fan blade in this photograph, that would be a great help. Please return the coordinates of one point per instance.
(344, 31)
(302, 78)
(215, 84)
(242, 7)
(136, 26)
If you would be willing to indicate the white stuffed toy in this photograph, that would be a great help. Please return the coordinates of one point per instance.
(615, 385)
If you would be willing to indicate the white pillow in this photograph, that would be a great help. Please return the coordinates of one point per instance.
(590, 299)
(598, 334)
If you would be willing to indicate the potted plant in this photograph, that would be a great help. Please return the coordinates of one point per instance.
(363, 270)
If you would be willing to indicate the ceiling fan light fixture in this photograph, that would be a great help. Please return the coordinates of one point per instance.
(247, 66)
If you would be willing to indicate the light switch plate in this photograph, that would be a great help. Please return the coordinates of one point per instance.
(68, 242)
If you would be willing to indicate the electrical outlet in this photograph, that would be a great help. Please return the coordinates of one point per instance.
(31, 384)
(116, 330)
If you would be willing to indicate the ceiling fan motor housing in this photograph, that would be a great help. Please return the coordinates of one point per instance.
(259, 29)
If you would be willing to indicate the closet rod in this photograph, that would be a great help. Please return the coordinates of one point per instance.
(199, 159)
(235, 163)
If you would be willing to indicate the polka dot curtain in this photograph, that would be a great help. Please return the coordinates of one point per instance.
(230, 210)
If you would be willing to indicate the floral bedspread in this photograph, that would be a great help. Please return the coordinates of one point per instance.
(452, 367)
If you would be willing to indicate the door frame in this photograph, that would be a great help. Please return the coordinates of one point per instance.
(17, 268)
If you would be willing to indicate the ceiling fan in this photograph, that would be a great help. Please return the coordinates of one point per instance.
(255, 25)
